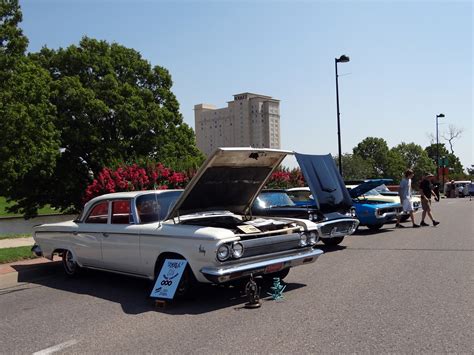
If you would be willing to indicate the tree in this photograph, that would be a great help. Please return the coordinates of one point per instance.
(12, 41)
(415, 158)
(29, 141)
(454, 164)
(112, 107)
(355, 167)
(451, 134)
(375, 151)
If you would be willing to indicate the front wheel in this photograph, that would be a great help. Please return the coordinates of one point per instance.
(332, 241)
(71, 268)
(187, 285)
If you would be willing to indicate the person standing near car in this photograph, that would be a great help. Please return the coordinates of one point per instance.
(405, 198)
(426, 192)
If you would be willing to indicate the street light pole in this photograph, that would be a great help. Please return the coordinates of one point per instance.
(342, 59)
(441, 115)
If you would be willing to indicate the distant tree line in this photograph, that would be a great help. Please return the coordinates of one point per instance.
(372, 158)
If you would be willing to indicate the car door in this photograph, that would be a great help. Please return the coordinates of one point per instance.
(88, 236)
(121, 239)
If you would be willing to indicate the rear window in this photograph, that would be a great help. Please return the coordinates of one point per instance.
(121, 212)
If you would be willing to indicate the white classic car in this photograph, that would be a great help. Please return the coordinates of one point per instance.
(208, 224)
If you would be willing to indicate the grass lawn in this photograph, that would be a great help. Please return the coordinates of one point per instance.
(8, 255)
(12, 236)
(4, 204)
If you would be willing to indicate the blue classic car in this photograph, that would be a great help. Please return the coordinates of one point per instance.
(371, 212)
(332, 210)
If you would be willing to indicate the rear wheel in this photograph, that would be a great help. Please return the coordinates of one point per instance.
(404, 218)
(333, 241)
(374, 227)
(71, 268)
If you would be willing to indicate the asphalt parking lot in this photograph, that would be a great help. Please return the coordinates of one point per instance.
(393, 291)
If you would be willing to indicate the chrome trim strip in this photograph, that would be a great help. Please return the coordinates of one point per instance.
(228, 270)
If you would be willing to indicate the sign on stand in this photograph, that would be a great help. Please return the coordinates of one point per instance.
(168, 278)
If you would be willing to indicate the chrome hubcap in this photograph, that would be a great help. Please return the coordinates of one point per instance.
(70, 263)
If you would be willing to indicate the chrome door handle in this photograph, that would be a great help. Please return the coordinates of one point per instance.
(105, 234)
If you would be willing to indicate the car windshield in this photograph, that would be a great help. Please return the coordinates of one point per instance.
(372, 192)
(382, 188)
(155, 207)
(274, 199)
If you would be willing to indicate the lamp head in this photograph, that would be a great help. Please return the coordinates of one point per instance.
(441, 115)
(342, 59)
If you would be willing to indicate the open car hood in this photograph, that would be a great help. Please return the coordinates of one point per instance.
(367, 186)
(230, 179)
(325, 182)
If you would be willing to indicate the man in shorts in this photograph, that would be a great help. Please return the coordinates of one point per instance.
(405, 198)
(426, 192)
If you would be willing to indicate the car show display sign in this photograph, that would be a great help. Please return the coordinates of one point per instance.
(168, 279)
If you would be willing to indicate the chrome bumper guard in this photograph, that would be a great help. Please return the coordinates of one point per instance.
(224, 273)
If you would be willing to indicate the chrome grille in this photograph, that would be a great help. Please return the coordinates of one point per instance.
(340, 227)
(268, 245)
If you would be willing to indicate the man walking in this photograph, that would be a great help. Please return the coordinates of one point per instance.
(405, 198)
(426, 193)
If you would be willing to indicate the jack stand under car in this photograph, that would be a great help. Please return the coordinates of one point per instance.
(253, 293)
(277, 289)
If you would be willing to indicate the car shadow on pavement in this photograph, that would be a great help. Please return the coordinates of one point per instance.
(213, 297)
(367, 231)
(133, 293)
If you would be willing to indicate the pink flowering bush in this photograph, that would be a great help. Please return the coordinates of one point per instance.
(283, 178)
(136, 178)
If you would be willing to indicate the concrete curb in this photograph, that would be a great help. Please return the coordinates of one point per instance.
(25, 271)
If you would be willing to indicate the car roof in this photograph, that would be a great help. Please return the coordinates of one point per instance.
(126, 194)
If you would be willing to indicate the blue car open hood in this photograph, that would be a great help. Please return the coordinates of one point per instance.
(325, 182)
(367, 186)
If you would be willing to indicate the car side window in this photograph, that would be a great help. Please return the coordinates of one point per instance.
(99, 213)
(121, 212)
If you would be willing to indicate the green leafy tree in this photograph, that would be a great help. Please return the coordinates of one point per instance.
(29, 141)
(112, 106)
(454, 164)
(12, 41)
(396, 166)
(416, 158)
(375, 151)
(355, 167)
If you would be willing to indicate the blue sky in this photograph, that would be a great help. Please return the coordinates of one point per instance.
(409, 60)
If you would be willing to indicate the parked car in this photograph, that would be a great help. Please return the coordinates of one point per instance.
(460, 189)
(208, 224)
(332, 210)
(375, 195)
(279, 204)
(371, 211)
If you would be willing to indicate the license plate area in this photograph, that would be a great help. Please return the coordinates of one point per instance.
(273, 268)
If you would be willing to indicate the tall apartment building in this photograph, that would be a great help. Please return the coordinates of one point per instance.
(250, 120)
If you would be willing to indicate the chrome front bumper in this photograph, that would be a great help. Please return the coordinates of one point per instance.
(219, 274)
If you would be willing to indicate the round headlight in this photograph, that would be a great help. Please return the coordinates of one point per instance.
(313, 238)
(223, 252)
(237, 250)
(303, 239)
